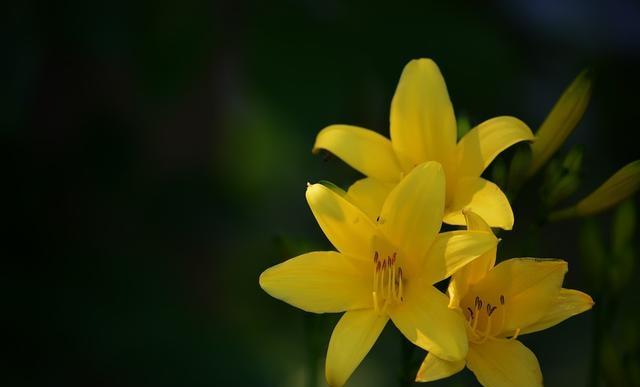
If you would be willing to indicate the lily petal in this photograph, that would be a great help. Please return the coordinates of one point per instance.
(434, 368)
(477, 149)
(452, 250)
(365, 150)
(482, 197)
(345, 225)
(423, 125)
(320, 282)
(369, 195)
(351, 340)
(504, 363)
(568, 303)
(425, 320)
(475, 222)
(412, 214)
(475, 270)
(528, 287)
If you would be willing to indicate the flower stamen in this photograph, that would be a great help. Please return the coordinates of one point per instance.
(481, 322)
(515, 336)
(388, 281)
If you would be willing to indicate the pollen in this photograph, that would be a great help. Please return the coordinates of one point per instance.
(388, 282)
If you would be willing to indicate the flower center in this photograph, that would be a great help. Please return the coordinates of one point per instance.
(387, 282)
(485, 319)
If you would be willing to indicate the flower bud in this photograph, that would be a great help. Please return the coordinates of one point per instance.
(618, 187)
(573, 160)
(561, 121)
(552, 174)
(567, 186)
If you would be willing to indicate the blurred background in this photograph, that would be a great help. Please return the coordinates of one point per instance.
(158, 152)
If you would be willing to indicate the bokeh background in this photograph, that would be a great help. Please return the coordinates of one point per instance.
(157, 154)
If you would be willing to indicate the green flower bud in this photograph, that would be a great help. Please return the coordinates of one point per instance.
(618, 187)
(552, 174)
(563, 189)
(573, 160)
(561, 121)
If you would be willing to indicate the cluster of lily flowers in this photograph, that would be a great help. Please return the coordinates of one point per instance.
(387, 229)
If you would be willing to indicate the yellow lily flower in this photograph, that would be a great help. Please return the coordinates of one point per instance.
(423, 128)
(383, 270)
(517, 296)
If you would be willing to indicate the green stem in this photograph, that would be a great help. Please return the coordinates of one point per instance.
(563, 214)
(311, 327)
(595, 356)
(407, 374)
(598, 335)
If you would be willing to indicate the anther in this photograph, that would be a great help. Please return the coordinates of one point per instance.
(387, 282)
(485, 329)
(478, 303)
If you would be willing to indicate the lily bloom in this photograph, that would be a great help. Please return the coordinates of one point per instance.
(423, 128)
(382, 270)
(501, 302)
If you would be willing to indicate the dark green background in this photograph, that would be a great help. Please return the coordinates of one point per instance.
(157, 154)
